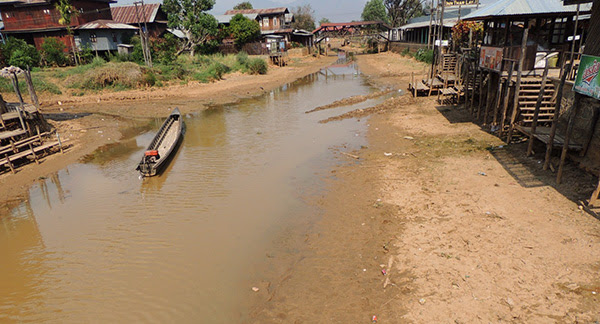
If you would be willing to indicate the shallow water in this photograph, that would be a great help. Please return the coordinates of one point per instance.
(94, 243)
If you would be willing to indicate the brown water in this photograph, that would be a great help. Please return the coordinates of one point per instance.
(94, 243)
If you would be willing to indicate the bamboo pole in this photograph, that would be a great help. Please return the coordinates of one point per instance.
(536, 112)
(570, 127)
(559, 95)
(480, 105)
(498, 97)
(467, 82)
(475, 72)
(518, 86)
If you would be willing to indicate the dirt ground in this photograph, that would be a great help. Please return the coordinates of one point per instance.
(90, 122)
(440, 222)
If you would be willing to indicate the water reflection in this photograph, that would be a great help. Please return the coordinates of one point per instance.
(96, 243)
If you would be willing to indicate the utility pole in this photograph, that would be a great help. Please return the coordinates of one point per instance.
(143, 34)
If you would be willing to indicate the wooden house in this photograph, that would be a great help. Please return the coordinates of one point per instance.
(271, 20)
(150, 15)
(103, 35)
(34, 20)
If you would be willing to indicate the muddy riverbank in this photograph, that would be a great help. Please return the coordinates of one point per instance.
(98, 120)
(439, 222)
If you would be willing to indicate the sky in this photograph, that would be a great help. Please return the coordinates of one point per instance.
(334, 10)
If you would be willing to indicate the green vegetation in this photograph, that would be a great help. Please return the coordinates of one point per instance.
(243, 5)
(424, 55)
(53, 52)
(243, 30)
(374, 10)
(18, 53)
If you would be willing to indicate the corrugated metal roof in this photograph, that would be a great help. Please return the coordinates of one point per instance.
(127, 14)
(450, 22)
(105, 24)
(225, 19)
(266, 11)
(524, 8)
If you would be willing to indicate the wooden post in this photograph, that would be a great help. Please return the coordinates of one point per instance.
(536, 112)
(594, 197)
(467, 82)
(590, 134)
(3, 108)
(570, 127)
(498, 97)
(557, 107)
(518, 85)
(506, 97)
(31, 89)
(487, 98)
(480, 106)
(15, 81)
(475, 71)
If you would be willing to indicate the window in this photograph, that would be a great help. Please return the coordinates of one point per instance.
(558, 33)
(265, 22)
(275, 21)
(7, 14)
(47, 11)
(80, 10)
(114, 37)
(93, 38)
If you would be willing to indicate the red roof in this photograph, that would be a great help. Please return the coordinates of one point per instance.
(127, 14)
(267, 11)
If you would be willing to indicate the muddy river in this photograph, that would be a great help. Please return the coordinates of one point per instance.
(94, 243)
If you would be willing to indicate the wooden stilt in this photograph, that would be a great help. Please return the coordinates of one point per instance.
(515, 111)
(536, 112)
(570, 127)
(31, 89)
(498, 97)
(33, 153)
(467, 83)
(10, 165)
(480, 106)
(559, 95)
(20, 108)
(488, 99)
(590, 133)
(506, 97)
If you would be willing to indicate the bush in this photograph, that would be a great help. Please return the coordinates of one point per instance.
(405, 52)
(97, 61)
(424, 55)
(149, 78)
(116, 75)
(18, 53)
(257, 66)
(213, 72)
(53, 52)
(86, 55)
(242, 58)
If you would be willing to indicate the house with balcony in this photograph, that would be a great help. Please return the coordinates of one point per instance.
(272, 21)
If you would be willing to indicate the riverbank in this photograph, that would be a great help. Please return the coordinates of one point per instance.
(91, 122)
(440, 222)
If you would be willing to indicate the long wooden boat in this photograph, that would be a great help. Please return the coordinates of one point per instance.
(163, 146)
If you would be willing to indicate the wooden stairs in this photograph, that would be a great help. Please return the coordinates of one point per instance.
(528, 96)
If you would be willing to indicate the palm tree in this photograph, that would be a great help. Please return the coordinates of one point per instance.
(67, 13)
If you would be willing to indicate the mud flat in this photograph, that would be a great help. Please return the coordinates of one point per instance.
(440, 222)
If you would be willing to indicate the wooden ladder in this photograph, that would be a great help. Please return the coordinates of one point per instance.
(528, 95)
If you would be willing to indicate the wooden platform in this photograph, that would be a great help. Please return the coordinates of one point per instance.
(543, 135)
(13, 133)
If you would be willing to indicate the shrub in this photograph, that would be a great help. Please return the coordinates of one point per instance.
(424, 55)
(257, 66)
(86, 55)
(17, 52)
(97, 61)
(53, 52)
(149, 78)
(242, 58)
(117, 75)
(405, 52)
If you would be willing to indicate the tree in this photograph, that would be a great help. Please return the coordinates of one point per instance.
(374, 10)
(243, 30)
(304, 17)
(324, 21)
(67, 12)
(401, 11)
(191, 17)
(243, 6)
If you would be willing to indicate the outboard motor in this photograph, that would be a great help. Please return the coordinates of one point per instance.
(151, 156)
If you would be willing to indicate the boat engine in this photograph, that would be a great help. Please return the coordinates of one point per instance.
(151, 156)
